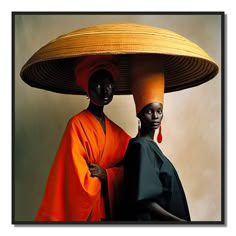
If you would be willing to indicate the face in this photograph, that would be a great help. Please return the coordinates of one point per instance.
(151, 116)
(101, 89)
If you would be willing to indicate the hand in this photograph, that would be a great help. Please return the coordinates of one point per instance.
(97, 171)
(160, 213)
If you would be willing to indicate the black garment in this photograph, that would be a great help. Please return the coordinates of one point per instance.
(149, 175)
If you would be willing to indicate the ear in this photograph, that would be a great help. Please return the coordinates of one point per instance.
(140, 118)
(139, 124)
(140, 114)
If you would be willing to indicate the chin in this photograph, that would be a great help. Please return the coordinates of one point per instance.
(106, 102)
(154, 128)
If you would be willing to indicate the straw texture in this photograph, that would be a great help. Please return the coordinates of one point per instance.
(52, 66)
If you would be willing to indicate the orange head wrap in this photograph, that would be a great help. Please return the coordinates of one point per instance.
(147, 80)
(87, 65)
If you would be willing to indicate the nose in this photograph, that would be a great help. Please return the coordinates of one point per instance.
(155, 115)
(107, 88)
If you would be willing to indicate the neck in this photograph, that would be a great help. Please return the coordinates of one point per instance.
(96, 110)
(147, 134)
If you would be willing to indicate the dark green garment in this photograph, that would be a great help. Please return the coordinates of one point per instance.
(149, 175)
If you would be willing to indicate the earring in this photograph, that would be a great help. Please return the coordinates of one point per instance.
(159, 136)
(139, 128)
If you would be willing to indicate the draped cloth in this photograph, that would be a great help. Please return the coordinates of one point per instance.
(71, 194)
(150, 176)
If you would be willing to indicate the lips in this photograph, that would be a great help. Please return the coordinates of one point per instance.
(155, 124)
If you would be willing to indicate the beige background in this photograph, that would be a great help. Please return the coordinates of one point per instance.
(191, 124)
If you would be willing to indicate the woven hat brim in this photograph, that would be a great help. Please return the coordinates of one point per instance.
(185, 63)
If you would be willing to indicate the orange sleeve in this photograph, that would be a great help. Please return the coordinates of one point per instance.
(115, 175)
(115, 185)
(70, 193)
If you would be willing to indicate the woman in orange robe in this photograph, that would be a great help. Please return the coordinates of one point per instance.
(86, 177)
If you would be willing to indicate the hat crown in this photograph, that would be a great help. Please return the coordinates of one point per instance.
(147, 80)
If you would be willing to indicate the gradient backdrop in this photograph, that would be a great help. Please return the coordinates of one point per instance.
(191, 124)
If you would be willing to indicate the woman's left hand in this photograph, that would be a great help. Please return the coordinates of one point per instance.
(97, 171)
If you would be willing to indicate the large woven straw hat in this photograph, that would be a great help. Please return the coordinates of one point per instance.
(52, 66)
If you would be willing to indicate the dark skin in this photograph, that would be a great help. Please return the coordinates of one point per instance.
(101, 89)
(150, 118)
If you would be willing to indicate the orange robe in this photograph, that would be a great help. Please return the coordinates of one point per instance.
(71, 194)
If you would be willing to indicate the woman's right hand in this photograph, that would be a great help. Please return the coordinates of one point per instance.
(97, 171)
(161, 213)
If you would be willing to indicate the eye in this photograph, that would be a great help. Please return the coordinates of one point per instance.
(160, 111)
(98, 86)
(148, 111)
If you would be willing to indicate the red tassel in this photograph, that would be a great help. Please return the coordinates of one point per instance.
(159, 136)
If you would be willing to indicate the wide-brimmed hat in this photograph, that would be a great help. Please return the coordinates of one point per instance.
(52, 66)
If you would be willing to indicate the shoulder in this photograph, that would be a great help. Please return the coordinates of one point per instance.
(138, 145)
(117, 128)
(141, 147)
(113, 124)
(137, 141)
(138, 151)
(77, 120)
